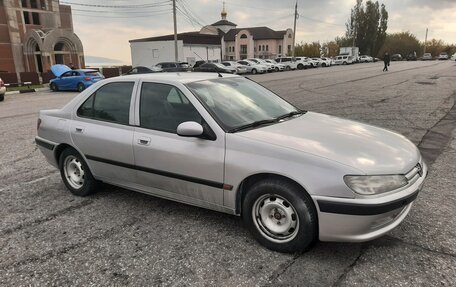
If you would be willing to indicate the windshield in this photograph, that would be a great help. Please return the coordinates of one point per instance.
(220, 65)
(235, 102)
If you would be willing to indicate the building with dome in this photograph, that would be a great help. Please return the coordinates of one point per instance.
(217, 42)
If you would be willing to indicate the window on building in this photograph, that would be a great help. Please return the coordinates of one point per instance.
(36, 18)
(26, 17)
(289, 35)
(280, 49)
(155, 53)
(34, 4)
(24, 3)
(109, 103)
(289, 49)
(259, 48)
(264, 48)
(243, 49)
(267, 48)
(243, 36)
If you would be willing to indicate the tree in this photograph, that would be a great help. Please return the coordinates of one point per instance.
(367, 26)
(401, 43)
(308, 49)
(330, 49)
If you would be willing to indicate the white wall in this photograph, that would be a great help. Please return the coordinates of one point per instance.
(194, 53)
(150, 53)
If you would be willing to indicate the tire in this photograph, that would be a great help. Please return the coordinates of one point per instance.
(344, 63)
(54, 87)
(323, 65)
(2, 98)
(81, 87)
(76, 174)
(287, 208)
(300, 66)
(254, 71)
(276, 69)
(287, 68)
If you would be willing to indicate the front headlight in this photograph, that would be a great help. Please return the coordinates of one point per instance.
(374, 184)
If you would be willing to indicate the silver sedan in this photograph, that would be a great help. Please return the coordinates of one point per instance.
(226, 143)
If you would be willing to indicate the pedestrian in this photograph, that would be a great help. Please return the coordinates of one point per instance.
(386, 61)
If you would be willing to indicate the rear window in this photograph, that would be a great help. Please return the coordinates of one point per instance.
(183, 65)
(93, 74)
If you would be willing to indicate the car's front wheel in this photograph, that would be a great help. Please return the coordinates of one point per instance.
(76, 174)
(54, 87)
(254, 71)
(280, 215)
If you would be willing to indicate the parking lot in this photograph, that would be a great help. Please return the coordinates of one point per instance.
(119, 237)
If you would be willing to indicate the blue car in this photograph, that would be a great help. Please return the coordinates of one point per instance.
(73, 80)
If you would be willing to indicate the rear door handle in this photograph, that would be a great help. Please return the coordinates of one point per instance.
(144, 141)
(79, 130)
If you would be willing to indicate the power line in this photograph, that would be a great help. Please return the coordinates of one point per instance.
(157, 4)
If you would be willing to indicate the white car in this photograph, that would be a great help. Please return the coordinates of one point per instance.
(269, 66)
(343, 60)
(240, 69)
(290, 63)
(365, 59)
(326, 62)
(252, 67)
(2, 90)
(303, 63)
(443, 56)
(312, 63)
(226, 143)
(453, 58)
(277, 66)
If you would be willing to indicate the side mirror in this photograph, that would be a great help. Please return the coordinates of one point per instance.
(190, 129)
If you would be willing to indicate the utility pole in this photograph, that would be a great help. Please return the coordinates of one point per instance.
(294, 29)
(176, 56)
(425, 40)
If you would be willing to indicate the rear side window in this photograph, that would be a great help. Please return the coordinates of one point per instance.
(109, 103)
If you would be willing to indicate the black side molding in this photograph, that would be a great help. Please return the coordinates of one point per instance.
(44, 144)
(365, 209)
(158, 172)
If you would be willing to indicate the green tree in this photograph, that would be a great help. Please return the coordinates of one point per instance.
(367, 26)
(401, 43)
(308, 49)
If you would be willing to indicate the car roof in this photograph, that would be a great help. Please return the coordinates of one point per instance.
(184, 77)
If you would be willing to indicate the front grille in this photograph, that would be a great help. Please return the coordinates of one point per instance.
(414, 174)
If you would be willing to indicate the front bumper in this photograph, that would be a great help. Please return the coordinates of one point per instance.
(363, 219)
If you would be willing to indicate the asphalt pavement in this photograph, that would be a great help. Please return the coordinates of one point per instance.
(120, 237)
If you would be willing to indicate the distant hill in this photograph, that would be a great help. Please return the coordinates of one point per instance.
(101, 61)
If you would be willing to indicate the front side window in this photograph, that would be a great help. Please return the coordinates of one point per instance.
(163, 107)
(236, 102)
(109, 103)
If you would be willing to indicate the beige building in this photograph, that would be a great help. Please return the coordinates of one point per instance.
(253, 42)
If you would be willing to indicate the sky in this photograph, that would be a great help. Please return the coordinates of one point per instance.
(105, 31)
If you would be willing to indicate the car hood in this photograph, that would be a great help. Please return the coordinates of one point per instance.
(59, 70)
(369, 149)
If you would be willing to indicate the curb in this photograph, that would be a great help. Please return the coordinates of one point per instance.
(28, 91)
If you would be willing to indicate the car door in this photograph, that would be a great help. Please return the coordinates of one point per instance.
(188, 169)
(102, 131)
(64, 81)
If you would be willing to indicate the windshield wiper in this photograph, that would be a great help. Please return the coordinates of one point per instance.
(253, 125)
(289, 115)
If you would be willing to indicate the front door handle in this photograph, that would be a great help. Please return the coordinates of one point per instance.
(79, 130)
(144, 141)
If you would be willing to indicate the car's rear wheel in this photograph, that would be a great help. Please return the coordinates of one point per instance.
(81, 87)
(276, 69)
(300, 66)
(323, 65)
(280, 215)
(76, 174)
(54, 87)
(254, 71)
